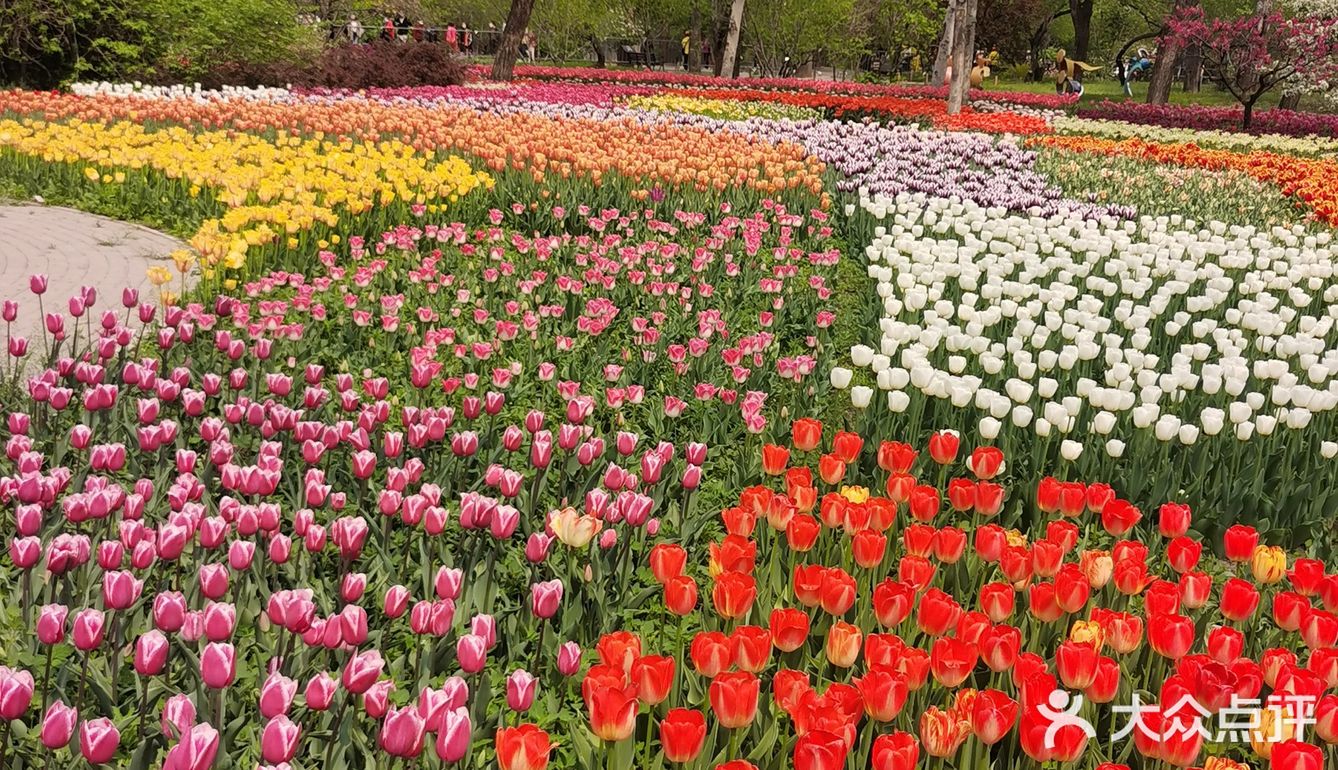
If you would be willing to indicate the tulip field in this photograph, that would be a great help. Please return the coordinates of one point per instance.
(645, 421)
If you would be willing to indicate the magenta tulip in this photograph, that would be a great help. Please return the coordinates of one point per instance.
(453, 735)
(320, 691)
(51, 623)
(88, 629)
(150, 652)
(521, 687)
(58, 725)
(362, 669)
(276, 695)
(545, 598)
(279, 739)
(218, 665)
(195, 751)
(16, 692)
(178, 715)
(402, 732)
(98, 740)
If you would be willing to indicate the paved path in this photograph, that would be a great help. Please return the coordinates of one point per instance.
(73, 249)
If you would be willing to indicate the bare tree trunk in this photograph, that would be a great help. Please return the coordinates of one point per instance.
(509, 47)
(1290, 101)
(1038, 40)
(944, 47)
(1193, 69)
(1163, 70)
(963, 53)
(1081, 11)
(728, 60)
(695, 40)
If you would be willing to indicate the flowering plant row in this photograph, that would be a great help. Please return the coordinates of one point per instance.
(1202, 118)
(897, 626)
(1141, 346)
(1305, 178)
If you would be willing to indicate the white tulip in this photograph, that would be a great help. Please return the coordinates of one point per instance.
(1328, 449)
(1070, 450)
(1115, 448)
(860, 396)
(841, 377)
(989, 428)
(897, 401)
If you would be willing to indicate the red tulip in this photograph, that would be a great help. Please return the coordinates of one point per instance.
(774, 459)
(891, 602)
(820, 750)
(1000, 646)
(711, 653)
(1106, 685)
(522, 748)
(1076, 664)
(806, 434)
(996, 600)
(1183, 553)
(682, 735)
(846, 445)
(943, 446)
(1296, 755)
(938, 612)
(1239, 542)
(895, 751)
(1225, 644)
(1171, 636)
(1239, 599)
(896, 457)
(951, 660)
(653, 676)
(1173, 519)
(733, 594)
(733, 698)
(831, 469)
(884, 692)
(1119, 516)
(986, 462)
(993, 714)
(789, 629)
(680, 595)
(612, 712)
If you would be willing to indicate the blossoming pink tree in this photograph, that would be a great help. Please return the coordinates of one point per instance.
(1253, 55)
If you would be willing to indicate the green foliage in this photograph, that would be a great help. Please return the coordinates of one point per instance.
(47, 43)
(799, 29)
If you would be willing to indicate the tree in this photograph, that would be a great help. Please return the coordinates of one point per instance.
(1163, 70)
(1080, 12)
(517, 21)
(1252, 55)
(963, 52)
(795, 32)
(729, 58)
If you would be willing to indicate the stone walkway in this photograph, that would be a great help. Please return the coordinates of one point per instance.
(73, 249)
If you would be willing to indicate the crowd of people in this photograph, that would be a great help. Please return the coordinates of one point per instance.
(398, 27)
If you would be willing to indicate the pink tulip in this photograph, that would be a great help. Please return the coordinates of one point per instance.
(218, 665)
(88, 629)
(692, 477)
(447, 583)
(220, 618)
(396, 601)
(169, 611)
(280, 548)
(431, 705)
(402, 732)
(352, 586)
(150, 652)
(320, 691)
(240, 554)
(25, 552)
(362, 670)
(472, 652)
(276, 695)
(520, 690)
(58, 725)
(16, 692)
(453, 735)
(120, 590)
(376, 701)
(37, 283)
(279, 739)
(695, 453)
(213, 580)
(178, 715)
(195, 751)
(484, 626)
(98, 740)
(536, 547)
(545, 598)
(569, 658)
(353, 624)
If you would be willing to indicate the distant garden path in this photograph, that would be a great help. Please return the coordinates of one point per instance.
(74, 249)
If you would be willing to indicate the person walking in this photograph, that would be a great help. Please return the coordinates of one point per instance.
(686, 44)
(353, 30)
(452, 37)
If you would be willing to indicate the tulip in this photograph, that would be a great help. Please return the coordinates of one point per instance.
(568, 658)
(178, 715)
(218, 665)
(88, 629)
(1296, 755)
(884, 692)
(279, 740)
(453, 735)
(682, 735)
(520, 690)
(733, 698)
(522, 748)
(58, 725)
(320, 691)
(402, 732)
(51, 624)
(942, 733)
(895, 751)
(98, 740)
(820, 750)
(613, 711)
(276, 695)
(361, 671)
(545, 598)
(150, 653)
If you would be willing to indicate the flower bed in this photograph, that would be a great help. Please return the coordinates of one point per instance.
(1202, 118)
(1164, 348)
